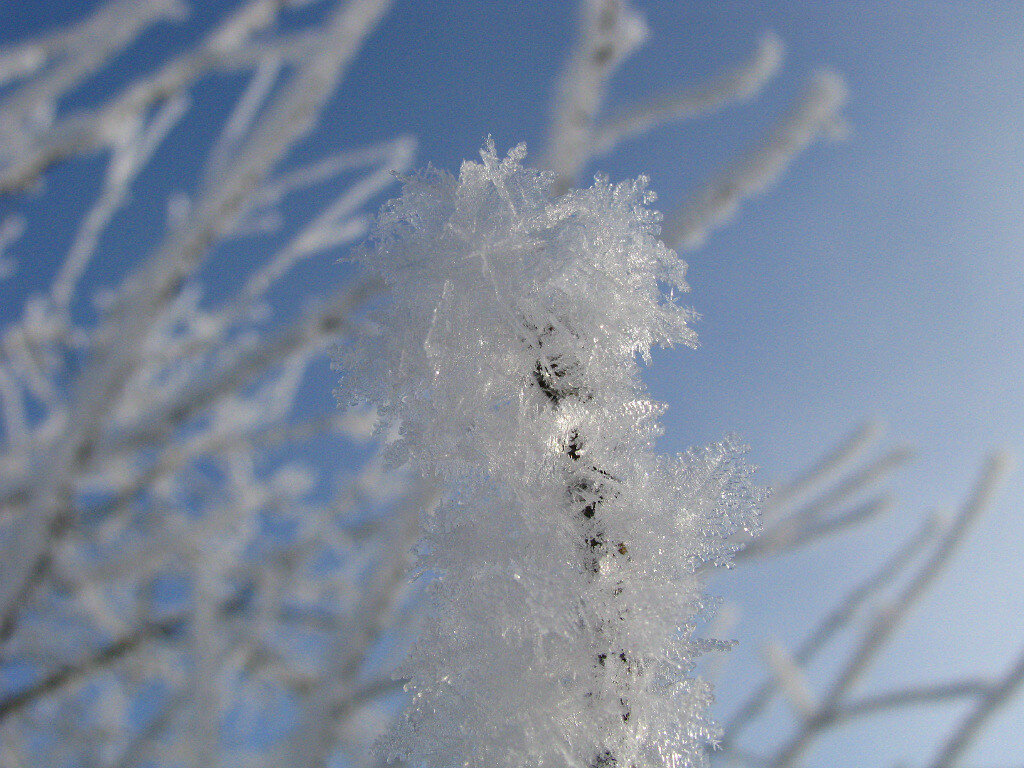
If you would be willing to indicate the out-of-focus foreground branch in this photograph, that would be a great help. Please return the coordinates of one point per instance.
(174, 556)
(824, 501)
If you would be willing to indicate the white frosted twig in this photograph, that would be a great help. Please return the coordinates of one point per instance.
(789, 536)
(176, 456)
(332, 226)
(77, 52)
(336, 690)
(160, 393)
(727, 618)
(840, 617)
(815, 116)
(990, 696)
(308, 334)
(89, 130)
(11, 228)
(991, 701)
(21, 62)
(791, 681)
(916, 696)
(12, 405)
(888, 620)
(289, 117)
(30, 138)
(25, 344)
(787, 528)
(293, 112)
(127, 645)
(744, 82)
(122, 344)
(825, 469)
(275, 190)
(130, 156)
(993, 475)
(610, 30)
(866, 477)
(244, 115)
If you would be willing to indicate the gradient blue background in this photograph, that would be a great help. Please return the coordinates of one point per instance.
(882, 277)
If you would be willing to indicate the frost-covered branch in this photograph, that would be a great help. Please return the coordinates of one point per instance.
(797, 515)
(744, 82)
(612, 30)
(815, 116)
(847, 610)
(567, 552)
(821, 711)
(990, 699)
(609, 31)
(147, 511)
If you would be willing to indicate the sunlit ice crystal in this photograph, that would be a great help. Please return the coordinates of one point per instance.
(567, 552)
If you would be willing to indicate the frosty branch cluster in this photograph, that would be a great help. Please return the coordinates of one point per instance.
(568, 552)
(162, 537)
(187, 576)
(584, 127)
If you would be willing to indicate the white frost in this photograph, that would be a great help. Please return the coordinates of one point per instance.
(568, 552)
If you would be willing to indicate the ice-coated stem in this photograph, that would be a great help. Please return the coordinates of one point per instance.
(588, 487)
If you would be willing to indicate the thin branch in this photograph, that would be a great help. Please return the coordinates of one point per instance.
(837, 619)
(971, 728)
(885, 624)
(745, 82)
(610, 31)
(815, 116)
(940, 693)
(993, 475)
(790, 679)
(826, 468)
(786, 537)
(107, 656)
(87, 131)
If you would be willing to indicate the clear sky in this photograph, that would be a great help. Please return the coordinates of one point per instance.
(883, 277)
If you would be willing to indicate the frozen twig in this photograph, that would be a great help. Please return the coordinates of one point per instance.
(888, 619)
(791, 681)
(744, 82)
(791, 535)
(841, 616)
(990, 699)
(825, 469)
(792, 519)
(610, 30)
(131, 153)
(816, 115)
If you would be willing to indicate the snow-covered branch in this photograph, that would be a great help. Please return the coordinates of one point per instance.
(567, 551)
(815, 116)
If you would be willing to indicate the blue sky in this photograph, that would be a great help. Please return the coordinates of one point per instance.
(883, 277)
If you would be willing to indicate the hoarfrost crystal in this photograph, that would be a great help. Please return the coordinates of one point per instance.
(567, 553)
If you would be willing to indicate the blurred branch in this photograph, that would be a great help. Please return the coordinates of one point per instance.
(889, 619)
(841, 616)
(991, 698)
(80, 671)
(816, 115)
(745, 82)
(788, 526)
(825, 469)
(609, 31)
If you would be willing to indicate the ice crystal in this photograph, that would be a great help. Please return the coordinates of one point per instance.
(567, 552)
